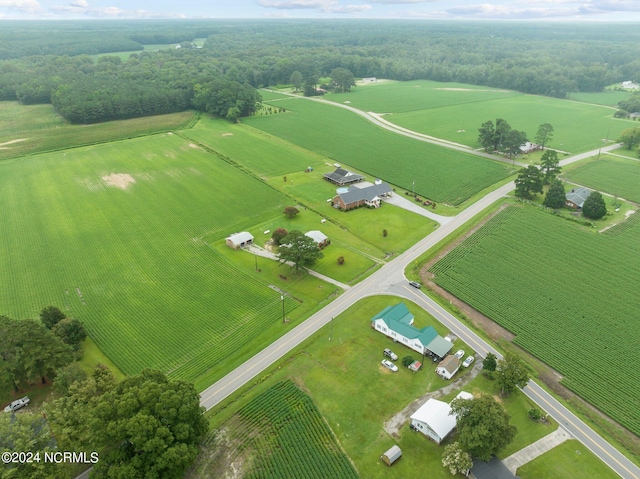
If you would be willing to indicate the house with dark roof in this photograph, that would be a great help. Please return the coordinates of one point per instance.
(576, 197)
(355, 197)
(396, 322)
(494, 469)
(343, 177)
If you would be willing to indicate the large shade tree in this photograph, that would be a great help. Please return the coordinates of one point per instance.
(555, 197)
(594, 206)
(528, 182)
(28, 350)
(550, 165)
(483, 426)
(298, 248)
(511, 374)
(148, 426)
(544, 134)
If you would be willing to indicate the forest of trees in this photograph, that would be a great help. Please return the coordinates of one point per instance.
(42, 62)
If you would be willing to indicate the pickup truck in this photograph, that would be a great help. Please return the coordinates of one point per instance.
(17, 404)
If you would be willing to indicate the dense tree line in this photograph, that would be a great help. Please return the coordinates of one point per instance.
(43, 64)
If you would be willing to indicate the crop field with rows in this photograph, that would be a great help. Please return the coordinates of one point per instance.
(113, 235)
(568, 294)
(284, 435)
(440, 174)
(613, 175)
(455, 111)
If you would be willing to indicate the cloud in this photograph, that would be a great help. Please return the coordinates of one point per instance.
(82, 8)
(299, 4)
(348, 9)
(401, 2)
(324, 6)
(27, 6)
(544, 9)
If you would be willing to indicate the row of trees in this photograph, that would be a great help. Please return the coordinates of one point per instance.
(34, 350)
(499, 136)
(532, 179)
(145, 426)
(532, 60)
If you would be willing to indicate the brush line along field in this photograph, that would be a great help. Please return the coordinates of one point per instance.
(455, 112)
(440, 174)
(112, 234)
(569, 296)
(617, 176)
(284, 435)
(29, 129)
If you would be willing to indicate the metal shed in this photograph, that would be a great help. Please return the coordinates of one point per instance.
(391, 456)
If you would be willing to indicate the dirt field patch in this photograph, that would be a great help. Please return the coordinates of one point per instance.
(119, 180)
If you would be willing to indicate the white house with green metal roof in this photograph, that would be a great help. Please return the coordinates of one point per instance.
(396, 322)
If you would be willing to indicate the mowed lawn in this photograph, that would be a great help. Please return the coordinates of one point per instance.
(442, 175)
(610, 174)
(568, 294)
(131, 263)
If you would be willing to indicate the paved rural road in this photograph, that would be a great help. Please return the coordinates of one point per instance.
(390, 279)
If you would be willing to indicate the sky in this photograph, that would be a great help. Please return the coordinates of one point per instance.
(539, 10)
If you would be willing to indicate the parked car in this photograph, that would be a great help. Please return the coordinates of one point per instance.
(467, 362)
(390, 354)
(415, 284)
(389, 365)
(17, 404)
(459, 353)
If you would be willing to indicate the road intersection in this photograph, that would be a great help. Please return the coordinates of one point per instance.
(390, 279)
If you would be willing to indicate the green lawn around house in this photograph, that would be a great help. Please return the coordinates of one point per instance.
(570, 460)
(440, 174)
(339, 367)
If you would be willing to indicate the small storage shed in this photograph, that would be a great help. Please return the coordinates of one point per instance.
(239, 240)
(391, 456)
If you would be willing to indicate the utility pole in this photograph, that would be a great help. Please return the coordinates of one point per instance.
(282, 298)
(331, 333)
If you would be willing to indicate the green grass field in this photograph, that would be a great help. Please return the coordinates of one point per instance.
(577, 126)
(132, 263)
(340, 369)
(606, 98)
(29, 129)
(440, 174)
(611, 174)
(403, 97)
(455, 112)
(265, 155)
(568, 294)
(278, 159)
(570, 460)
